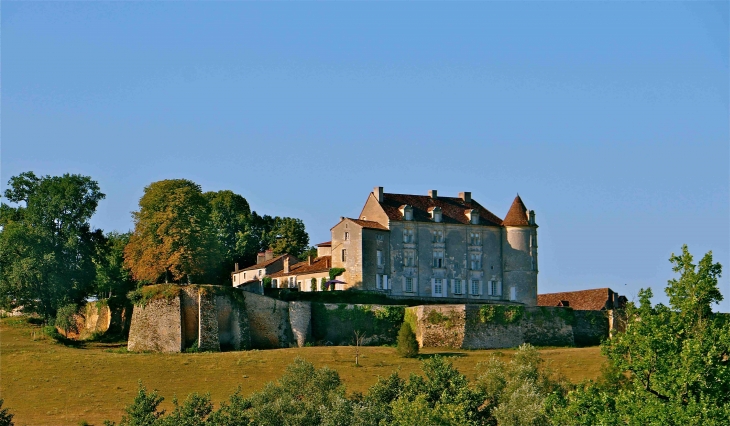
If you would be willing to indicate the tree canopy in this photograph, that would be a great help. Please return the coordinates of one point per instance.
(47, 245)
(173, 236)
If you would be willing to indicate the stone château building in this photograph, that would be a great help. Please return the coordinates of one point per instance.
(438, 247)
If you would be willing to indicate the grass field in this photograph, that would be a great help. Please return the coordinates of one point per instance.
(46, 383)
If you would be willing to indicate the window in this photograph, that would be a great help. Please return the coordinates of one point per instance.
(380, 257)
(234, 278)
(438, 287)
(457, 286)
(407, 235)
(475, 287)
(299, 284)
(344, 255)
(438, 236)
(275, 283)
(244, 275)
(291, 282)
(347, 236)
(378, 281)
(475, 239)
(494, 288)
(476, 261)
(379, 237)
(409, 285)
(438, 259)
(409, 259)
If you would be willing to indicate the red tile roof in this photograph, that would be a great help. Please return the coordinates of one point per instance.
(266, 263)
(369, 224)
(517, 214)
(320, 264)
(325, 244)
(582, 300)
(453, 210)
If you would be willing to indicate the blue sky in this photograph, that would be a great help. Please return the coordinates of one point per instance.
(609, 118)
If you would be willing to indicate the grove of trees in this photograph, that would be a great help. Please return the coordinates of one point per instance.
(51, 257)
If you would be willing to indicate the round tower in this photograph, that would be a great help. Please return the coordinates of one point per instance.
(519, 254)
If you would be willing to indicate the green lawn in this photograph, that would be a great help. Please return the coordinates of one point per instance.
(46, 383)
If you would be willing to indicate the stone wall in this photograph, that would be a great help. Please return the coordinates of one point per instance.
(591, 327)
(335, 324)
(208, 321)
(300, 320)
(99, 317)
(268, 321)
(157, 327)
(489, 326)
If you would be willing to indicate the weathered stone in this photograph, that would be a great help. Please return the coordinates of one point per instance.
(300, 319)
(157, 327)
(208, 339)
(268, 321)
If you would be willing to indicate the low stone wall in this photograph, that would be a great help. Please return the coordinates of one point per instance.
(335, 324)
(157, 327)
(489, 326)
(268, 321)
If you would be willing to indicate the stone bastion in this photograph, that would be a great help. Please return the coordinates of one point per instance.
(214, 318)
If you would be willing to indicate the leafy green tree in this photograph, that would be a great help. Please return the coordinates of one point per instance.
(47, 245)
(66, 318)
(407, 343)
(676, 357)
(230, 217)
(173, 235)
(112, 277)
(289, 236)
(144, 411)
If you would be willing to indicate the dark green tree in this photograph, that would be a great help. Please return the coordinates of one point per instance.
(407, 343)
(112, 277)
(288, 236)
(47, 245)
(230, 217)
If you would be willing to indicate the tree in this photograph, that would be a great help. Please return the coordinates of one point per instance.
(677, 357)
(230, 217)
(407, 343)
(47, 245)
(288, 236)
(173, 236)
(112, 277)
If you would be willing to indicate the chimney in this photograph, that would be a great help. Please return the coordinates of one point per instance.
(268, 254)
(465, 196)
(286, 264)
(261, 257)
(309, 260)
(378, 192)
(531, 217)
(433, 193)
(236, 266)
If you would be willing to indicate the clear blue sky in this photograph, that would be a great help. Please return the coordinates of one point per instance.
(609, 118)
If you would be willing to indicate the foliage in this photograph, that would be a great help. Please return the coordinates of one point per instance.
(173, 234)
(66, 318)
(335, 272)
(309, 251)
(47, 245)
(112, 277)
(313, 282)
(230, 217)
(676, 358)
(144, 295)
(6, 417)
(407, 343)
(500, 314)
(323, 284)
(144, 410)
(380, 323)
(288, 236)
(266, 282)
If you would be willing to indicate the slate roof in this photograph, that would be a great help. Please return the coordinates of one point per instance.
(517, 214)
(582, 300)
(453, 209)
(320, 264)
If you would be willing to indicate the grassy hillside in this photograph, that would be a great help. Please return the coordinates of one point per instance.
(46, 383)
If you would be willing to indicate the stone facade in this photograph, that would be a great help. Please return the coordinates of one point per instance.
(157, 327)
(438, 247)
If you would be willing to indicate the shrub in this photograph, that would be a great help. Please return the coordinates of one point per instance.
(6, 418)
(407, 343)
(65, 318)
(314, 284)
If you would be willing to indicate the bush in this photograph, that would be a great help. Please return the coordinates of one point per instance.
(407, 343)
(6, 418)
(65, 318)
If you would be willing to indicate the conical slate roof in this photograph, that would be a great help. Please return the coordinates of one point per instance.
(517, 214)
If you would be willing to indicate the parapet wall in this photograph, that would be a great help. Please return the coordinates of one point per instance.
(490, 326)
(229, 319)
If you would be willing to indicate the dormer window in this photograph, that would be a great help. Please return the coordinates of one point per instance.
(407, 212)
(436, 214)
(473, 215)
